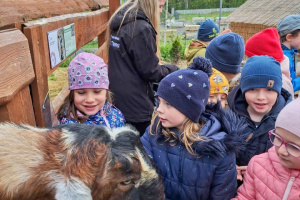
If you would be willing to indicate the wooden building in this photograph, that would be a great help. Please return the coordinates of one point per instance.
(255, 15)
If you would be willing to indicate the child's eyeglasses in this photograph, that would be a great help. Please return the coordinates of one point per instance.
(277, 141)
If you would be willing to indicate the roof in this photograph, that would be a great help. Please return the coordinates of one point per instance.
(20, 11)
(266, 12)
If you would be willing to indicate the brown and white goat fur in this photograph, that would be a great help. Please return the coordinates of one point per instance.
(75, 162)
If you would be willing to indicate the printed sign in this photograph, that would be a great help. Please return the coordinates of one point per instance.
(62, 43)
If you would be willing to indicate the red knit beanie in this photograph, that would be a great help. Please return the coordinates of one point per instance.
(267, 43)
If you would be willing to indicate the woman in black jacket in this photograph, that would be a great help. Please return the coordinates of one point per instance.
(133, 64)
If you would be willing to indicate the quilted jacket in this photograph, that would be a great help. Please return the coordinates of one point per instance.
(267, 179)
(209, 176)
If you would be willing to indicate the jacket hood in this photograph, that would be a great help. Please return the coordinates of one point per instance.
(193, 48)
(133, 15)
(222, 132)
(237, 102)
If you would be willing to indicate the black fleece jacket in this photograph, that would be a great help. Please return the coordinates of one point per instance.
(133, 65)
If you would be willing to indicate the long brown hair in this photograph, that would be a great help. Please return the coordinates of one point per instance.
(68, 107)
(149, 7)
(188, 136)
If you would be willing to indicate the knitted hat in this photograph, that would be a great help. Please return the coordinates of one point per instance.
(188, 89)
(266, 42)
(218, 83)
(226, 52)
(87, 70)
(289, 117)
(288, 25)
(261, 72)
(207, 31)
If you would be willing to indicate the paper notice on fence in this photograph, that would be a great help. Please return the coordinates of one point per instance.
(56, 44)
(70, 41)
(62, 43)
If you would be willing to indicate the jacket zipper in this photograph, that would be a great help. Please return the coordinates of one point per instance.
(288, 188)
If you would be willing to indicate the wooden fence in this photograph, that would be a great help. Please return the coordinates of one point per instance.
(25, 62)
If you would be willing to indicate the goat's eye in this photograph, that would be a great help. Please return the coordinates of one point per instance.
(126, 182)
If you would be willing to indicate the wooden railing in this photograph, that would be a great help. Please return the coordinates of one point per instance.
(24, 91)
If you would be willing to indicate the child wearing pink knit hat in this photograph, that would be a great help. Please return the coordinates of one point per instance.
(89, 100)
(276, 174)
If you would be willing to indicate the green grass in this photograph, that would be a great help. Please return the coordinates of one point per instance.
(91, 44)
(51, 77)
(66, 63)
(189, 17)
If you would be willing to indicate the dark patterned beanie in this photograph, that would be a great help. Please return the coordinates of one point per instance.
(188, 89)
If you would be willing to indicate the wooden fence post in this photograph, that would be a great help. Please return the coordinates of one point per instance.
(16, 73)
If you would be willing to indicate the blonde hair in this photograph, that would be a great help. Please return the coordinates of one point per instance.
(149, 7)
(68, 107)
(188, 136)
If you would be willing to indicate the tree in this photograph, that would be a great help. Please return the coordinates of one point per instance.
(175, 50)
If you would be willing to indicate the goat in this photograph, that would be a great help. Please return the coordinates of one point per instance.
(75, 162)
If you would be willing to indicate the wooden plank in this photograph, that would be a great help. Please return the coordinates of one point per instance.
(16, 70)
(59, 99)
(113, 6)
(103, 53)
(101, 39)
(87, 27)
(39, 86)
(19, 110)
(20, 11)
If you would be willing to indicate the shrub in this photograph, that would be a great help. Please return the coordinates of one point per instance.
(175, 51)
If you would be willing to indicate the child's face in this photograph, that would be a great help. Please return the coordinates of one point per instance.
(169, 116)
(89, 101)
(286, 159)
(213, 98)
(294, 41)
(260, 100)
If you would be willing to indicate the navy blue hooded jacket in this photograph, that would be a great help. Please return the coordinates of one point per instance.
(257, 137)
(209, 176)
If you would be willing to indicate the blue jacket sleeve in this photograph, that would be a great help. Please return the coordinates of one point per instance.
(296, 84)
(224, 185)
(146, 140)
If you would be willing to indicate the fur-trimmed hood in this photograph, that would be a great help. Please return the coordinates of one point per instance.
(223, 132)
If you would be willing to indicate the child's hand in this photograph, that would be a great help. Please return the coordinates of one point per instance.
(241, 170)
